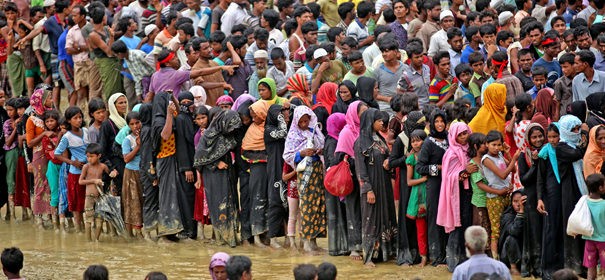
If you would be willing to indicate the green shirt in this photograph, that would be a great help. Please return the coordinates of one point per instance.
(417, 202)
(353, 78)
(478, 199)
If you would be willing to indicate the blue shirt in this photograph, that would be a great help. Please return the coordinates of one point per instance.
(466, 53)
(127, 147)
(582, 88)
(131, 43)
(53, 29)
(77, 147)
(148, 48)
(63, 56)
(480, 263)
(553, 68)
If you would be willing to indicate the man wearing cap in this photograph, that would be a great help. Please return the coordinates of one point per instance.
(261, 42)
(152, 16)
(150, 32)
(438, 42)
(505, 19)
(430, 27)
(261, 59)
(328, 70)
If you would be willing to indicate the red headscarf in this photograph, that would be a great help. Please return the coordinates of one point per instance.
(326, 96)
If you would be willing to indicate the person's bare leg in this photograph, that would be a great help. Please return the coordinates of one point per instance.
(592, 273)
(88, 231)
(99, 228)
(56, 97)
(29, 81)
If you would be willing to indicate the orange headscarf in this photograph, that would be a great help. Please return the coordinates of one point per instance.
(254, 140)
(492, 114)
(593, 158)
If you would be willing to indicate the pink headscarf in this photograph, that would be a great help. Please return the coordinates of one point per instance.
(37, 101)
(350, 132)
(454, 162)
(335, 123)
(224, 100)
(218, 259)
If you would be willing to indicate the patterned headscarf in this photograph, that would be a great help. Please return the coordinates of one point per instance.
(38, 99)
(297, 138)
(299, 87)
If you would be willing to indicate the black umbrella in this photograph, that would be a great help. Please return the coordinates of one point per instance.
(108, 207)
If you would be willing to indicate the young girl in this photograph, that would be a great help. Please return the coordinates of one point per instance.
(49, 143)
(523, 112)
(477, 148)
(11, 152)
(200, 210)
(75, 140)
(528, 171)
(22, 178)
(416, 209)
(97, 111)
(549, 204)
(132, 197)
(289, 177)
(498, 172)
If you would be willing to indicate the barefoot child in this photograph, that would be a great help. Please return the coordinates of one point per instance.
(49, 142)
(132, 196)
(11, 154)
(594, 248)
(92, 177)
(200, 211)
(417, 204)
(477, 149)
(289, 177)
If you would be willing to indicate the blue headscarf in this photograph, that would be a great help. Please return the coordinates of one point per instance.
(548, 152)
(567, 124)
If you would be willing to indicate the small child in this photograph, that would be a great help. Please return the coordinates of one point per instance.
(289, 177)
(477, 148)
(539, 74)
(417, 204)
(562, 85)
(593, 248)
(200, 212)
(498, 172)
(464, 74)
(49, 143)
(132, 197)
(92, 178)
(75, 140)
(11, 154)
(24, 167)
(98, 113)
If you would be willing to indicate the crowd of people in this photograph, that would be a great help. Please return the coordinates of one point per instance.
(228, 114)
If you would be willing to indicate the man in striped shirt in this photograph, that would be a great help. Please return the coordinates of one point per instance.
(443, 86)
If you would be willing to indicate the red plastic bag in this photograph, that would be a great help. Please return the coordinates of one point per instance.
(338, 180)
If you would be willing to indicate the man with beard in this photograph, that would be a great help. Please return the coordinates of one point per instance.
(430, 27)
(454, 40)
(261, 59)
(439, 41)
(234, 15)
(212, 81)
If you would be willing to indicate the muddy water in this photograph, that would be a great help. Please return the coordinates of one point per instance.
(50, 255)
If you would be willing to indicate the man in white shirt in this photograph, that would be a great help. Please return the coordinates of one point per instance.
(196, 12)
(438, 41)
(235, 14)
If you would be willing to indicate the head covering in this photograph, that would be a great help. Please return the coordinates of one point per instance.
(160, 112)
(150, 28)
(299, 87)
(261, 54)
(326, 96)
(433, 129)
(336, 122)
(218, 139)
(454, 162)
(198, 92)
(444, 14)
(579, 109)
(504, 16)
(593, 158)
(297, 138)
(414, 121)
(272, 123)
(38, 99)
(241, 99)
(48, 3)
(365, 90)
(125, 131)
(145, 115)
(548, 152)
(529, 149)
(224, 100)
(341, 106)
(540, 119)
(350, 132)
(545, 104)
(367, 135)
(254, 138)
(595, 103)
(273, 87)
(320, 52)
(493, 112)
(218, 259)
(114, 116)
(566, 124)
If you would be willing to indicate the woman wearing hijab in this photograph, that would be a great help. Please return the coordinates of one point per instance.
(40, 101)
(365, 90)
(241, 100)
(225, 102)
(579, 109)
(546, 105)
(345, 146)
(593, 159)
(347, 94)
(326, 96)
(304, 145)
(147, 171)
(492, 114)
(199, 96)
(276, 130)
(301, 93)
(169, 214)
(337, 220)
(514, 232)
(379, 223)
(455, 211)
(218, 266)
(535, 137)
(569, 156)
(213, 159)
(429, 164)
(267, 90)
(241, 168)
(112, 153)
(596, 109)
(254, 152)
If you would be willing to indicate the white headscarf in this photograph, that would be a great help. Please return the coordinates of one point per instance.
(117, 119)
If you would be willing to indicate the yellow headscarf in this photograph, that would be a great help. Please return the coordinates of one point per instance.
(492, 114)
(254, 140)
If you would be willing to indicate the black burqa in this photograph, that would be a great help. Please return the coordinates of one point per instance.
(513, 228)
(276, 130)
(241, 170)
(147, 169)
(365, 90)
(341, 106)
(220, 185)
(379, 223)
(3, 185)
(549, 191)
(112, 152)
(169, 214)
(429, 158)
(185, 150)
(596, 109)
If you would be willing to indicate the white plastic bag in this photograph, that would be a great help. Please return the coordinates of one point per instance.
(580, 220)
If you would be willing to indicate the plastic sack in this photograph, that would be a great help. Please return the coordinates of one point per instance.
(338, 180)
(580, 220)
